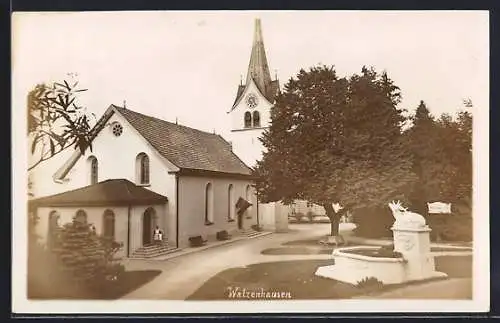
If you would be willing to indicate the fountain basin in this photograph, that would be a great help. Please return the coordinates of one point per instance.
(352, 264)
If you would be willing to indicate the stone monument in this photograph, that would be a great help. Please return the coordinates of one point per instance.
(411, 239)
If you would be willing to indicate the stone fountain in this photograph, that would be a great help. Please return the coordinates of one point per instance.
(411, 243)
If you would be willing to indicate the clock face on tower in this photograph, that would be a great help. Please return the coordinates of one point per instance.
(252, 100)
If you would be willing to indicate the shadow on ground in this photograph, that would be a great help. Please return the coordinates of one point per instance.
(130, 281)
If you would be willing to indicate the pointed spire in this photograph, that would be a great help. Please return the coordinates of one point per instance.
(258, 69)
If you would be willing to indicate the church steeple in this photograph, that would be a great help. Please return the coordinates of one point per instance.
(258, 69)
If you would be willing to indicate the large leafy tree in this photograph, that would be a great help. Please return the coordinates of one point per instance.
(335, 140)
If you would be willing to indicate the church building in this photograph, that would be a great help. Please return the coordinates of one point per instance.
(145, 172)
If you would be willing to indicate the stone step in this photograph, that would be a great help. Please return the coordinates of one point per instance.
(249, 233)
(154, 251)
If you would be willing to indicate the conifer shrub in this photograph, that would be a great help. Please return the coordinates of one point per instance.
(85, 258)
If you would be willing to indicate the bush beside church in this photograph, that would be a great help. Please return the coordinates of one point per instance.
(76, 262)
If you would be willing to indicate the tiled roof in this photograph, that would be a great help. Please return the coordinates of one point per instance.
(185, 147)
(107, 193)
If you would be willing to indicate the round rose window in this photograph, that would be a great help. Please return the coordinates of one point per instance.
(117, 129)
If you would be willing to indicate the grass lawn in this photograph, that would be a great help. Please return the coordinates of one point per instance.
(297, 277)
(130, 281)
(455, 266)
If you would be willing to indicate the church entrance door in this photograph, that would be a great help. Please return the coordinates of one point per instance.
(148, 224)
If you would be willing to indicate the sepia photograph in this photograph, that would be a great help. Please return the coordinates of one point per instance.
(250, 162)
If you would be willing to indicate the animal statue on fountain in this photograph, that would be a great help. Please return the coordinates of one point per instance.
(405, 218)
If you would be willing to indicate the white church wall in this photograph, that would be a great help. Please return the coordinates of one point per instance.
(247, 146)
(192, 206)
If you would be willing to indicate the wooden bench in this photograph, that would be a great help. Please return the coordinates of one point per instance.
(197, 241)
(256, 227)
(223, 235)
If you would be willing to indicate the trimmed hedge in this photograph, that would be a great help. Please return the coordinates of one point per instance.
(450, 227)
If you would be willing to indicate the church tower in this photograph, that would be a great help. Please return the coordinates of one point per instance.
(250, 113)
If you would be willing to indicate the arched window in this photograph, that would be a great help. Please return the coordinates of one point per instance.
(53, 225)
(248, 119)
(81, 216)
(248, 195)
(108, 224)
(142, 167)
(230, 202)
(209, 204)
(53, 220)
(94, 170)
(256, 119)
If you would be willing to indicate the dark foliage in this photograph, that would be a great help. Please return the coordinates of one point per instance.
(335, 140)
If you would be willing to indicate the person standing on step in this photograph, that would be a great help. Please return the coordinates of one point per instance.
(157, 235)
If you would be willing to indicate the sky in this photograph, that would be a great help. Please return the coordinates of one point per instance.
(187, 65)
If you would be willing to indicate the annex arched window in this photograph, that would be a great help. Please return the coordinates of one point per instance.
(81, 216)
(53, 225)
(256, 119)
(142, 168)
(209, 204)
(108, 224)
(53, 220)
(248, 119)
(94, 170)
(230, 202)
